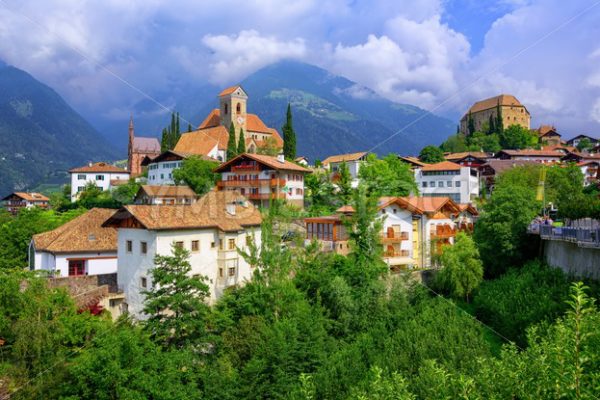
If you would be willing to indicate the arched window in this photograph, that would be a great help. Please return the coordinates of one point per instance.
(225, 108)
(238, 108)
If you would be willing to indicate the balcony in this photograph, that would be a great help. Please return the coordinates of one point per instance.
(442, 232)
(265, 196)
(273, 182)
(245, 167)
(393, 237)
(396, 253)
(224, 255)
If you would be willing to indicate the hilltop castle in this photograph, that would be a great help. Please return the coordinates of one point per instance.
(511, 109)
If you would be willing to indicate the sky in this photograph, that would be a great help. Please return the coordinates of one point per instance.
(441, 55)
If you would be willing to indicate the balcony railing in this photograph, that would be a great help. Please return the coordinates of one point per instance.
(583, 237)
(396, 253)
(393, 237)
(246, 167)
(443, 232)
(251, 182)
(265, 196)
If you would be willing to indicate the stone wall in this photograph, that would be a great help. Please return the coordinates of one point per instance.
(582, 262)
(510, 116)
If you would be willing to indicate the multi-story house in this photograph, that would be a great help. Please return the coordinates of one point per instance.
(491, 169)
(212, 230)
(353, 161)
(589, 169)
(82, 246)
(448, 179)
(165, 195)
(101, 174)
(473, 159)
(160, 168)
(548, 135)
(14, 202)
(511, 111)
(264, 178)
(575, 140)
(541, 156)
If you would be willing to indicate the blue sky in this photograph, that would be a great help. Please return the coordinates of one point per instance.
(437, 54)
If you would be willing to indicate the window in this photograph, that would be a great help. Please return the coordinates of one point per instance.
(195, 245)
(162, 176)
(144, 247)
(238, 108)
(212, 245)
(231, 244)
(457, 183)
(99, 177)
(394, 210)
(449, 183)
(129, 246)
(143, 282)
(225, 108)
(220, 272)
(441, 184)
(231, 271)
(424, 184)
(179, 245)
(432, 184)
(80, 188)
(81, 177)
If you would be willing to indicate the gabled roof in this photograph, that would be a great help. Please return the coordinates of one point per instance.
(492, 102)
(271, 162)
(166, 191)
(345, 210)
(431, 204)
(146, 145)
(344, 157)
(99, 167)
(210, 211)
(531, 153)
(402, 202)
(501, 165)
(81, 235)
(203, 141)
(460, 156)
(468, 207)
(230, 90)
(33, 196)
(442, 166)
(549, 130)
(413, 160)
(581, 137)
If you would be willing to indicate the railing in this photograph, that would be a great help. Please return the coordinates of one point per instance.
(265, 196)
(393, 237)
(246, 167)
(395, 253)
(583, 237)
(251, 182)
(443, 232)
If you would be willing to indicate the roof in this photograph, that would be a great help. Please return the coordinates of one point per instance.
(99, 167)
(531, 152)
(166, 191)
(430, 204)
(210, 211)
(344, 157)
(503, 100)
(465, 154)
(300, 158)
(345, 210)
(442, 166)
(229, 90)
(146, 145)
(588, 162)
(558, 147)
(468, 207)
(502, 165)
(545, 129)
(581, 137)
(33, 196)
(385, 201)
(413, 160)
(271, 162)
(82, 234)
(203, 141)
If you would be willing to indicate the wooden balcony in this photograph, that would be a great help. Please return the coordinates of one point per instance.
(443, 232)
(245, 168)
(265, 196)
(396, 253)
(393, 237)
(251, 183)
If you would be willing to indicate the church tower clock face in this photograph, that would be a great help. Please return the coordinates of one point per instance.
(240, 120)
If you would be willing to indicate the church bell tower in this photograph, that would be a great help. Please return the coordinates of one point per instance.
(232, 106)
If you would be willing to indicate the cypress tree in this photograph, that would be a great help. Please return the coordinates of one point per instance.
(189, 127)
(164, 140)
(289, 136)
(491, 127)
(231, 145)
(241, 142)
(499, 124)
(470, 124)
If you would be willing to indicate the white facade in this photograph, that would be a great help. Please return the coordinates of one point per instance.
(216, 258)
(353, 167)
(58, 264)
(462, 185)
(161, 173)
(397, 224)
(79, 180)
(288, 184)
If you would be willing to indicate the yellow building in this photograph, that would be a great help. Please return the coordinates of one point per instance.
(511, 109)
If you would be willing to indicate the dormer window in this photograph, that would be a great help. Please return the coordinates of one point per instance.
(225, 108)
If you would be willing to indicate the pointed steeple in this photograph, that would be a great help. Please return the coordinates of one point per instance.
(130, 145)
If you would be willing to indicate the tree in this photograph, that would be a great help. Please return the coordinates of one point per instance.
(431, 154)
(197, 174)
(470, 124)
(387, 177)
(455, 144)
(176, 303)
(289, 136)
(231, 145)
(319, 193)
(462, 270)
(499, 125)
(344, 183)
(125, 194)
(189, 127)
(516, 137)
(584, 144)
(171, 134)
(269, 147)
(241, 149)
(480, 141)
(491, 126)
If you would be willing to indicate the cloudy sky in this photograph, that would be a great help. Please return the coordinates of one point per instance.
(439, 55)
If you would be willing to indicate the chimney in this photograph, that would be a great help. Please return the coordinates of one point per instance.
(89, 164)
(281, 158)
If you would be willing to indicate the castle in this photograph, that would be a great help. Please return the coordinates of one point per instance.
(511, 109)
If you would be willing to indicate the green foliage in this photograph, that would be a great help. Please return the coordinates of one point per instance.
(269, 147)
(231, 145)
(241, 148)
(344, 183)
(319, 193)
(93, 196)
(125, 194)
(197, 174)
(455, 144)
(171, 134)
(517, 137)
(470, 124)
(175, 304)
(462, 270)
(387, 177)
(480, 141)
(289, 136)
(431, 154)
(584, 144)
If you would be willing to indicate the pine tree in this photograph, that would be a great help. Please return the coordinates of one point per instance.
(241, 149)
(231, 145)
(471, 124)
(289, 136)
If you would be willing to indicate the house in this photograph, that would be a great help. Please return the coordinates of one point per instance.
(302, 161)
(161, 167)
(352, 160)
(100, 174)
(589, 169)
(212, 230)
(212, 136)
(165, 195)
(82, 246)
(491, 169)
(465, 220)
(580, 157)
(473, 159)
(511, 110)
(263, 178)
(139, 148)
(548, 135)
(541, 156)
(329, 231)
(448, 179)
(577, 139)
(414, 162)
(14, 202)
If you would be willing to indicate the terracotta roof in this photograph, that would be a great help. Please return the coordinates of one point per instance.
(203, 141)
(33, 196)
(385, 201)
(468, 207)
(344, 157)
(99, 167)
(213, 119)
(229, 90)
(460, 156)
(532, 152)
(166, 191)
(503, 100)
(502, 165)
(556, 147)
(587, 162)
(345, 210)
(442, 166)
(146, 145)
(271, 162)
(300, 158)
(430, 204)
(544, 129)
(210, 211)
(82, 234)
(413, 160)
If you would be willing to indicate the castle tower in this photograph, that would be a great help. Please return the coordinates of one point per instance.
(130, 145)
(232, 106)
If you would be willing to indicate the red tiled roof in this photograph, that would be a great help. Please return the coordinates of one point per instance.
(229, 90)
(460, 156)
(203, 141)
(503, 100)
(167, 191)
(271, 162)
(442, 166)
(99, 167)
(33, 196)
(344, 157)
(430, 204)
(532, 152)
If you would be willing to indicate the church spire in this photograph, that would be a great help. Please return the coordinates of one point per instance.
(130, 144)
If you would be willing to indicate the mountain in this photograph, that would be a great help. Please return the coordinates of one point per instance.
(332, 114)
(41, 136)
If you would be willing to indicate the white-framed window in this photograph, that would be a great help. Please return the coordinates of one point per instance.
(99, 177)
(441, 184)
(81, 177)
(457, 183)
(449, 183)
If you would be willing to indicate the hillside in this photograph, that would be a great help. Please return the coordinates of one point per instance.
(41, 136)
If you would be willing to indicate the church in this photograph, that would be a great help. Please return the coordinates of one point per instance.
(138, 149)
(211, 137)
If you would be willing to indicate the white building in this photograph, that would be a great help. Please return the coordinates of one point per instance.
(100, 174)
(589, 169)
(14, 202)
(79, 247)
(212, 229)
(262, 178)
(165, 195)
(353, 161)
(160, 169)
(448, 179)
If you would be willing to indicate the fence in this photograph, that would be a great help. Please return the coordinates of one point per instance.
(583, 236)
